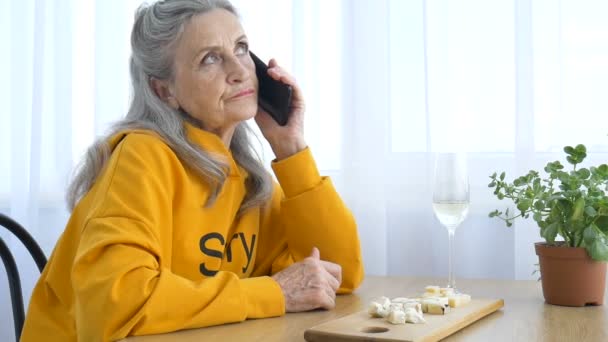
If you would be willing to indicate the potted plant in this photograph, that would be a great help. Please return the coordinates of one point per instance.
(571, 205)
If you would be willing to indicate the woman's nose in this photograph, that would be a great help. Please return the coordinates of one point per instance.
(237, 72)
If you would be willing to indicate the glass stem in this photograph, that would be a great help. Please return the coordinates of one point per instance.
(451, 278)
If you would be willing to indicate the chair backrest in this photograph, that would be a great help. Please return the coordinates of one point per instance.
(14, 282)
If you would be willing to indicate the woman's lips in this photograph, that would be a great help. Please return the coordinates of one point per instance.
(242, 93)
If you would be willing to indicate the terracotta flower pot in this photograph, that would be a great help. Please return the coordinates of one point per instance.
(569, 276)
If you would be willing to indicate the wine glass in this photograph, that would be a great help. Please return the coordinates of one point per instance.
(451, 199)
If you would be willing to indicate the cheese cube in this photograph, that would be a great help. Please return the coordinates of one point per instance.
(396, 306)
(432, 289)
(459, 300)
(396, 317)
(446, 291)
(413, 316)
(436, 308)
(385, 301)
(402, 300)
(413, 305)
(377, 310)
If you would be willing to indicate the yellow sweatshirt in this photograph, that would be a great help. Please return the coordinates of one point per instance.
(141, 255)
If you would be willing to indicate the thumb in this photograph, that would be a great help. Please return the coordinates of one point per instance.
(315, 253)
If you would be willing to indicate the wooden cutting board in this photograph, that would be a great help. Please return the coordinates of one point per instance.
(361, 327)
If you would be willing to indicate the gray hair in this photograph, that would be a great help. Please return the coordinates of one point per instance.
(156, 30)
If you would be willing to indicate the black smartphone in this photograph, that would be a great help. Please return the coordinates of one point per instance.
(273, 96)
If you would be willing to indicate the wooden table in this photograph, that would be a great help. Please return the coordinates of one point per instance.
(525, 316)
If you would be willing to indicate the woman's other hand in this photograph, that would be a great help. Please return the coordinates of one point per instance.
(310, 284)
(289, 139)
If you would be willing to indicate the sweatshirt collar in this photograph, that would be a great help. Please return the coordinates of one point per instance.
(207, 140)
(204, 139)
(212, 143)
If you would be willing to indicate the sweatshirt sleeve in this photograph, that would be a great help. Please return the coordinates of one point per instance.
(306, 212)
(121, 274)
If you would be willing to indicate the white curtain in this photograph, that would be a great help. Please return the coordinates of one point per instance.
(387, 82)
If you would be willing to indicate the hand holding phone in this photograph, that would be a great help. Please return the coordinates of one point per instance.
(273, 96)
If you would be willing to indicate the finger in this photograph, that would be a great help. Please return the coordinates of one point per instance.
(279, 74)
(331, 295)
(334, 269)
(315, 253)
(331, 281)
(328, 300)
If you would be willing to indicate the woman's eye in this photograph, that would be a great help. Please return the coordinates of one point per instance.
(211, 58)
(242, 48)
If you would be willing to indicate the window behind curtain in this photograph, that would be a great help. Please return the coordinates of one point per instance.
(469, 82)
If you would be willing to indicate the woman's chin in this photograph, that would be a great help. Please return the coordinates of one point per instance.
(245, 113)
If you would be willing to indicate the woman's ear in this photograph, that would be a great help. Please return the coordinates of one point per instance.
(164, 92)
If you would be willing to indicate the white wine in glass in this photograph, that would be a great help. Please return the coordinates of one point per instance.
(451, 199)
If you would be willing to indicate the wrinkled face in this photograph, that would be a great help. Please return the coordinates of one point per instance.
(214, 76)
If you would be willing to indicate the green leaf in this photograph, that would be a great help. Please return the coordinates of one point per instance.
(602, 171)
(590, 234)
(590, 211)
(550, 232)
(537, 217)
(524, 204)
(574, 226)
(583, 173)
(569, 149)
(602, 223)
(598, 250)
(574, 185)
(492, 184)
(529, 193)
(536, 185)
(502, 176)
(572, 160)
(563, 205)
(580, 148)
(581, 157)
(577, 211)
(539, 205)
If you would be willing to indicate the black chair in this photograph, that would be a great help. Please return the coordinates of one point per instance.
(14, 282)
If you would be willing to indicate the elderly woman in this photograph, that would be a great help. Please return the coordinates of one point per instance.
(175, 224)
